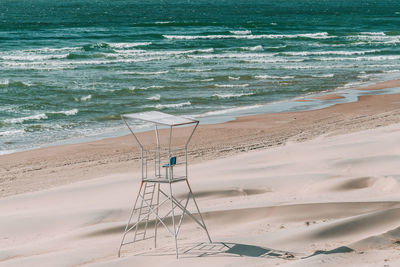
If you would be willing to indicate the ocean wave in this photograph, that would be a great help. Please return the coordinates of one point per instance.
(11, 133)
(164, 22)
(224, 96)
(207, 80)
(318, 35)
(40, 116)
(224, 111)
(275, 47)
(129, 45)
(146, 73)
(7, 83)
(147, 53)
(273, 60)
(177, 105)
(330, 75)
(96, 46)
(374, 33)
(31, 57)
(87, 56)
(4, 82)
(391, 71)
(83, 98)
(70, 112)
(367, 58)
(154, 97)
(233, 78)
(231, 85)
(317, 53)
(235, 55)
(52, 50)
(318, 67)
(61, 65)
(351, 85)
(192, 70)
(253, 48)
(267, 77)
(152, 87)
(376, 38)
(242, 32)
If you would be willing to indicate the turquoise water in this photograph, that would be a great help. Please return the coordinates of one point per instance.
(68, 69)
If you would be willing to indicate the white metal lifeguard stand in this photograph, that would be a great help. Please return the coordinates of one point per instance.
(158, 152)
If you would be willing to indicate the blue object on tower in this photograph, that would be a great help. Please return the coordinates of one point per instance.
(172, 162)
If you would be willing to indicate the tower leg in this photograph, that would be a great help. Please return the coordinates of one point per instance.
(129, 221)
(173, 218)
(156, 220)
(198, 210)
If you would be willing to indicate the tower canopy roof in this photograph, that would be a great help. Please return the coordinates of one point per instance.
(160, 118)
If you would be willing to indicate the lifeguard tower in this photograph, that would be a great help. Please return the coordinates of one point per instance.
(164, 162)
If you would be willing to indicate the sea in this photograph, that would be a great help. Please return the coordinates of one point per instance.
(68, 69)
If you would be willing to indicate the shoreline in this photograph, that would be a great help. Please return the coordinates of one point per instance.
(313, 101)
(57, 165)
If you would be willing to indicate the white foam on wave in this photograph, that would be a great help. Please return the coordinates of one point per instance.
(164, 22)
(61, 65)
(275, 47)
(242, 32)
(52, 50)
(4, 82)
(267, 77)
(318, 67)
(330, 75)
(192, 70)
(86, 98)
(154, 97)
(236, 55)
(152, 87)
(5, 152)
(129, 45)
(177, 105)
(231, 85)
(391, 71)
(27, 84)
(207, 80)
(147, 53)
(366, 58)
(273, 60)
(70, 112)
(11, 133)
(224, 111)
(146, 73)
(372, 38)
(317, 53)
(374, 33)
(233, 78)
(253, 48)
(318, 35)
(31, 57)
(351, 85)
(40, 116)
(224, 96)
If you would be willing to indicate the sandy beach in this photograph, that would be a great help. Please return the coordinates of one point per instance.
(309, 188)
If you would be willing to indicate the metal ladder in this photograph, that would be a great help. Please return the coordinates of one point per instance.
(144, 211)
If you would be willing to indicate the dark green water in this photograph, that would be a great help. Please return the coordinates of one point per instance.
(69, 68)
